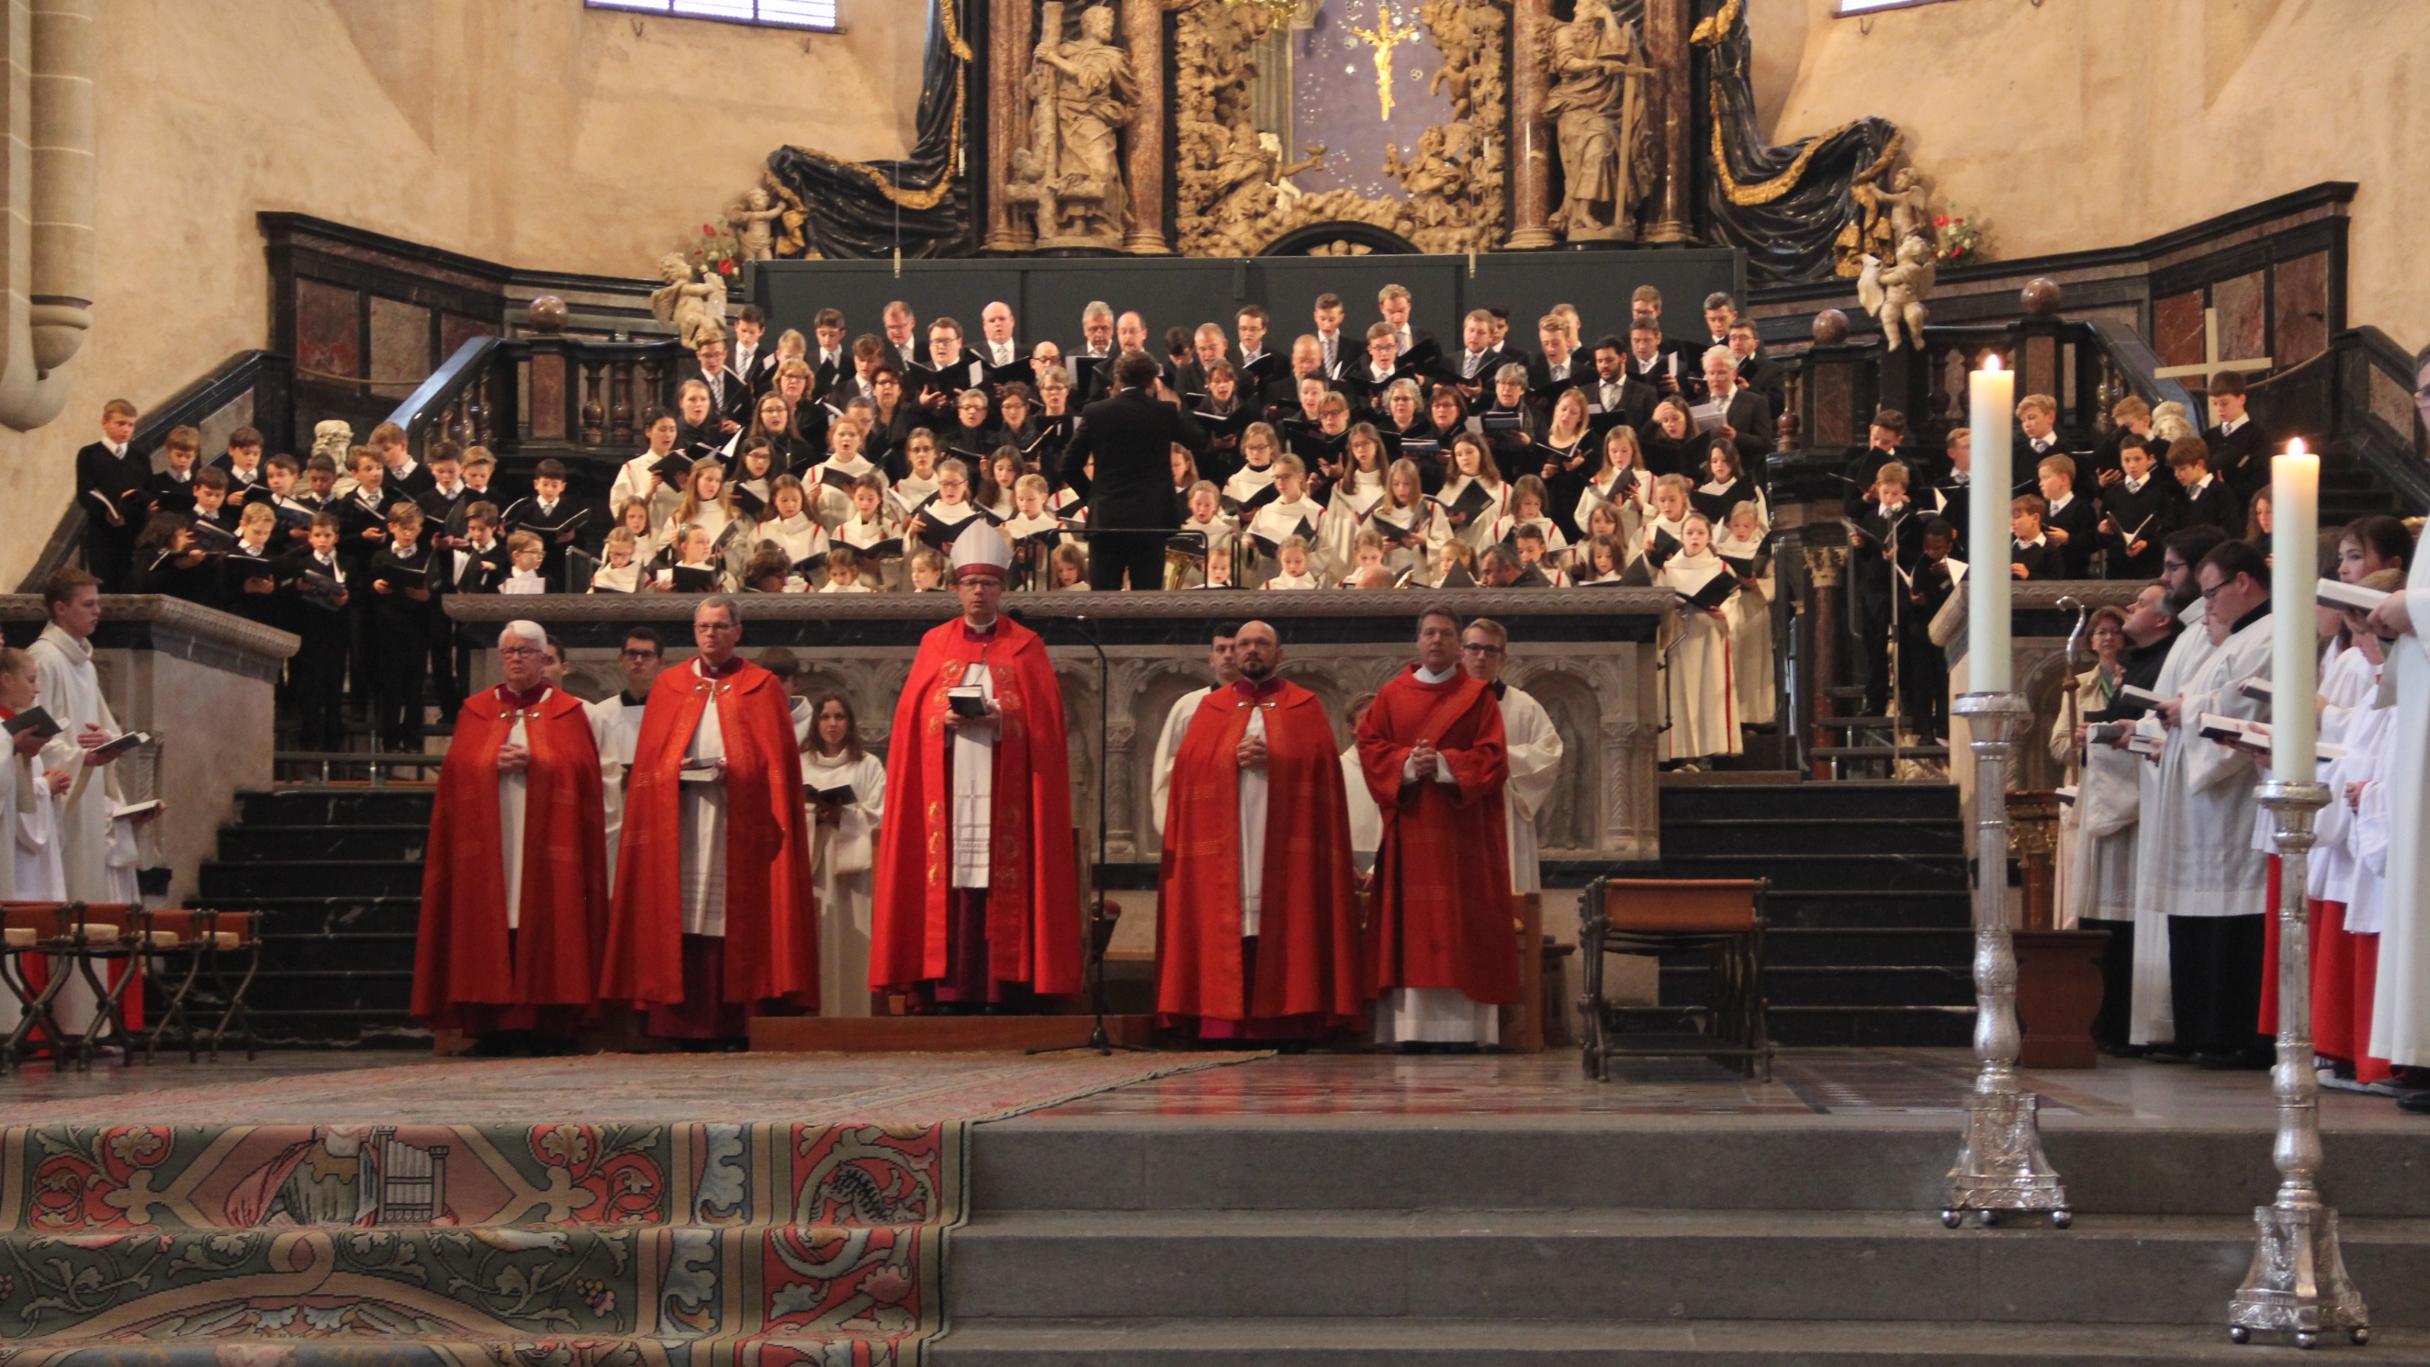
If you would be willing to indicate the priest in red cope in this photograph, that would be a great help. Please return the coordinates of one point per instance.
(514, 883)
(1432, 749)
(713, 912)
(1257, 938)
(976, 907)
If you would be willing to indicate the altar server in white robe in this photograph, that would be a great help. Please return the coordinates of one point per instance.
(843, 841)
(2400, 1011)
(1177, 720)
(98, 851)
(2153, 1021)
(616, 725)
(2216, 878)
(29, 802)
(1528, 738)
(1701, 700)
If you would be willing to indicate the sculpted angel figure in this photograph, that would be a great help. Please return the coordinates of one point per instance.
(750, 222)
(696, 307)
(1895, 293)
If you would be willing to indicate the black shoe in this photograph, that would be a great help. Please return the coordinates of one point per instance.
(2166, 1053)
(2414, 1103)
(2229, 1061)
(2125, 1050)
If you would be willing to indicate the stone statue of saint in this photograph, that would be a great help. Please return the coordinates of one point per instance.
(1084, 86)
(1895, 293)
(1597, 103)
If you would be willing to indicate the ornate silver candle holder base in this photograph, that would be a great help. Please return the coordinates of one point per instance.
(2298, 1283)
(2001, 1166)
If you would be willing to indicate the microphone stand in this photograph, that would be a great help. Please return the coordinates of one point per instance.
(1100, 923)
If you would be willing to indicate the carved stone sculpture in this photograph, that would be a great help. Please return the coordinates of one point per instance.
(1895, 293)
(750, 221)
(1082, 97)
(696, 307)
(331, 437)
(1887, 215)
(1597, 104)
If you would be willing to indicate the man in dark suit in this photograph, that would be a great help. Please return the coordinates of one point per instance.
(2235, 441)
(1758, 374)
(1746, 420)
(902, 335)
(1478, 358)
(2207, 502)
(830, 354)
(109, 479)
(1392, 304)
(1131, 434)
(1653, 362)
(1560, 367)
(1613, 390)
(754, 358)
(1645, 308)
(1208, 346)
(729, 397)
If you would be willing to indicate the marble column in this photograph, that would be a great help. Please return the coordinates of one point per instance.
(1531, 140)
(1144, 160)
(46, 244)
(1666, 31)
(1008, 57)
(1819, 670)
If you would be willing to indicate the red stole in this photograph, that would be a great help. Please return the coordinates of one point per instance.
(771, 916)
(1442, 875)
(1307, 957)
(461, 956)
(1033, 923)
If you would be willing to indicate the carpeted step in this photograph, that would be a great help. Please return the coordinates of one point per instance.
(1587, 1342)
(1838, 870)
(1870, 908)
(1656, 1266)
(1951, 946)
(1684, 983)
(1847, 797)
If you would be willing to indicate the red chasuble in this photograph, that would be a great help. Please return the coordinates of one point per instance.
(462, 956)
(1033, 905)
(1307, 962)
(771, 916)
(1442, 875)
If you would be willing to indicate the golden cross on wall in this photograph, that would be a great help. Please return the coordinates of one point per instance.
(1385, 37)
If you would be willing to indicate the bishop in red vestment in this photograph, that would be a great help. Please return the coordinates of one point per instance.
(713, 910)
(514, 882)
(976, 905)
(1440, 934)
(1257, 933)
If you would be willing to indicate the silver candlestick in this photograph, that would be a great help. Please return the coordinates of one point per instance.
(2001, 1167)
(2298, 1281)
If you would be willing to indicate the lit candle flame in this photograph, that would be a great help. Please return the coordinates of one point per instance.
(2295, 447)
(1991, 363)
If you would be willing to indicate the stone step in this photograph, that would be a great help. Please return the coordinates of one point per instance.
(1836, 871)
(318, 806)
(275, 844)
(1787, 985)
(1663, 1266)
(1823, 834)
(335, 914)
(1881, 945)
(1394, 1341)
(1847, 798)
(1866, 908)
(1862, 1026)
(1752, 1164)
(307, 877)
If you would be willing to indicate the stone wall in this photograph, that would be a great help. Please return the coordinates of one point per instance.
(535, 133)
(2074, 124)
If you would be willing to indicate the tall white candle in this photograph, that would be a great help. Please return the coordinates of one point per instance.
(2294, 646)
(1990, 400)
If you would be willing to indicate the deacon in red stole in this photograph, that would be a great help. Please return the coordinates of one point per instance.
(713, 911)
(1257, 937)
(976, 906)
(1440, 934)
(514, 882)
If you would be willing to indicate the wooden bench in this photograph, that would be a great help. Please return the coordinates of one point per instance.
(1723, 919)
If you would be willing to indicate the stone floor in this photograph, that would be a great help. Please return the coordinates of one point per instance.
(1883, 1086)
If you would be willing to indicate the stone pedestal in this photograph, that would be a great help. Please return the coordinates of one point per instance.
(205, 684)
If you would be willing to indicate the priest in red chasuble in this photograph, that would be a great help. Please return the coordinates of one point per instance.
(713, 911)
(976, 904)
(514, 884)
(1440, 934)
(1257, 935)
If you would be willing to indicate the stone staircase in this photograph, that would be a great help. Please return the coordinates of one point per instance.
(1098, 1241)
(337, 874)
(1869, 941)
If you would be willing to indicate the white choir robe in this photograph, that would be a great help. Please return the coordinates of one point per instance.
(1750, 616)
(2349, 681)
(1478, 533)
(615, 728)
(29, 867)
(840, 860)
(1366, 819)
(2215, 871)
(2400, 1008)
(1534, 748)
(2154, 1017)
(1702, 701)
(974, 787)
(633, 480)
(97, 853)
(2371, 744)
(1168, 744)
(1346, 509)
(702, 869)
(2097, 847)
(1947, 630)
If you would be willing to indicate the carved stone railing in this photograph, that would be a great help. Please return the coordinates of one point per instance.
(573, 398)
(1587, 654)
